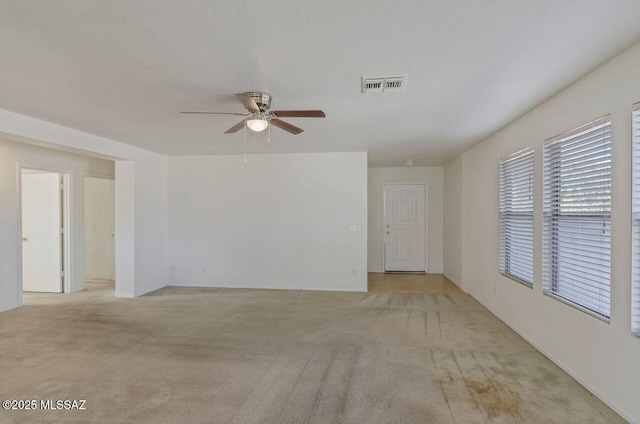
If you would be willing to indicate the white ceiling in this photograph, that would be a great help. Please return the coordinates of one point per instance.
(125, 69)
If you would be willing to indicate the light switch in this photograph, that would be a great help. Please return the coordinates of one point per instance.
(352, 227)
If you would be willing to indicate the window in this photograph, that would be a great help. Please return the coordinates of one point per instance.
(577, 217)
(635, 290)
(516, 216)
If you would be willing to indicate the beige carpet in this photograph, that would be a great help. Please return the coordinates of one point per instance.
(184, 355)
(412, 283)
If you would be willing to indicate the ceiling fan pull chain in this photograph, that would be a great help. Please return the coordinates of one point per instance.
(269, 135)
(245, 144)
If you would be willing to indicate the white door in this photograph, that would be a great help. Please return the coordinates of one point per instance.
(99, 222)
(41, 238)
(404, 227)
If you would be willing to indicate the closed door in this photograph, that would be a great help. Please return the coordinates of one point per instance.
(41, 232)
(99, 221)
(405, 227)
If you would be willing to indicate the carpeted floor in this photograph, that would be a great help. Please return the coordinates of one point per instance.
(192, 355)
(412, 283)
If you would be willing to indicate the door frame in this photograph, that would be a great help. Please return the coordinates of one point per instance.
(426, 220)
(67, 219)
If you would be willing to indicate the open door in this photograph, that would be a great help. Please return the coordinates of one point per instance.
(41, 231)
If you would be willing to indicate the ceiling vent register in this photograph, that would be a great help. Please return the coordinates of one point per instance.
(383, 85)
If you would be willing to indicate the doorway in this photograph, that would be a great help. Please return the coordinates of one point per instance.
(99, 195)
(405, 227)
(43, 230)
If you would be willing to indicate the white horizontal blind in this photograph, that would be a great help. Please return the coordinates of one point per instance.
(577, 217)
(516, 216)
(635, 291)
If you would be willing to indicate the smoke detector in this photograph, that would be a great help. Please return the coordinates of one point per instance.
(382, 85)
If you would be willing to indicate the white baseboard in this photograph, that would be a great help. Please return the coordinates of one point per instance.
(152, 289)
(454, 281)
(243, 286)
(8, 308)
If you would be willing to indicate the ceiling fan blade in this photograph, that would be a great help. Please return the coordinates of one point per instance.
(248, 102)
(237, 127)
(286, 126)
(299, 113)
(218, 113)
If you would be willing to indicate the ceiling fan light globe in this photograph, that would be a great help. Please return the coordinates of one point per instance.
(257, 125)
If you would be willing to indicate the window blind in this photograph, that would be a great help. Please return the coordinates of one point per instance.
(577, 217)
(635, 289)
(516, 216)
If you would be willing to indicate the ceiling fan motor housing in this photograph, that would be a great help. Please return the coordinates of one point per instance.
(263, 100)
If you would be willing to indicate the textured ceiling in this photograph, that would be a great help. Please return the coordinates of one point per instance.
(125, 69)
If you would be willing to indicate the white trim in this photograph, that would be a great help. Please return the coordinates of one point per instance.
(250, 287)
(516, 279)
(19, 238)
(634, 316)
(426, 221)
(8, 308)
(149, 290)
(67, 219)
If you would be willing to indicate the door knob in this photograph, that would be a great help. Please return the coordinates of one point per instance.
(387, 232)
(24, 239)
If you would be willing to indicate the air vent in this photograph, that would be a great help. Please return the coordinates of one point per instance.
(382, 85)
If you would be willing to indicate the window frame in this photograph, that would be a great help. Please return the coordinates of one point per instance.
(635, 220)
(504, 241)
(552, 221)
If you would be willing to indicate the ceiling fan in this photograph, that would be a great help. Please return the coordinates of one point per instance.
(258, 104)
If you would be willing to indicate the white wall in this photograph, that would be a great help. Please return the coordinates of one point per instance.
(125, 229)
(276, 221)
(99, 228)
(431, 175)
(141, 198)
(11, 154)
(604, 357)
(452, 266)
(151, 222)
